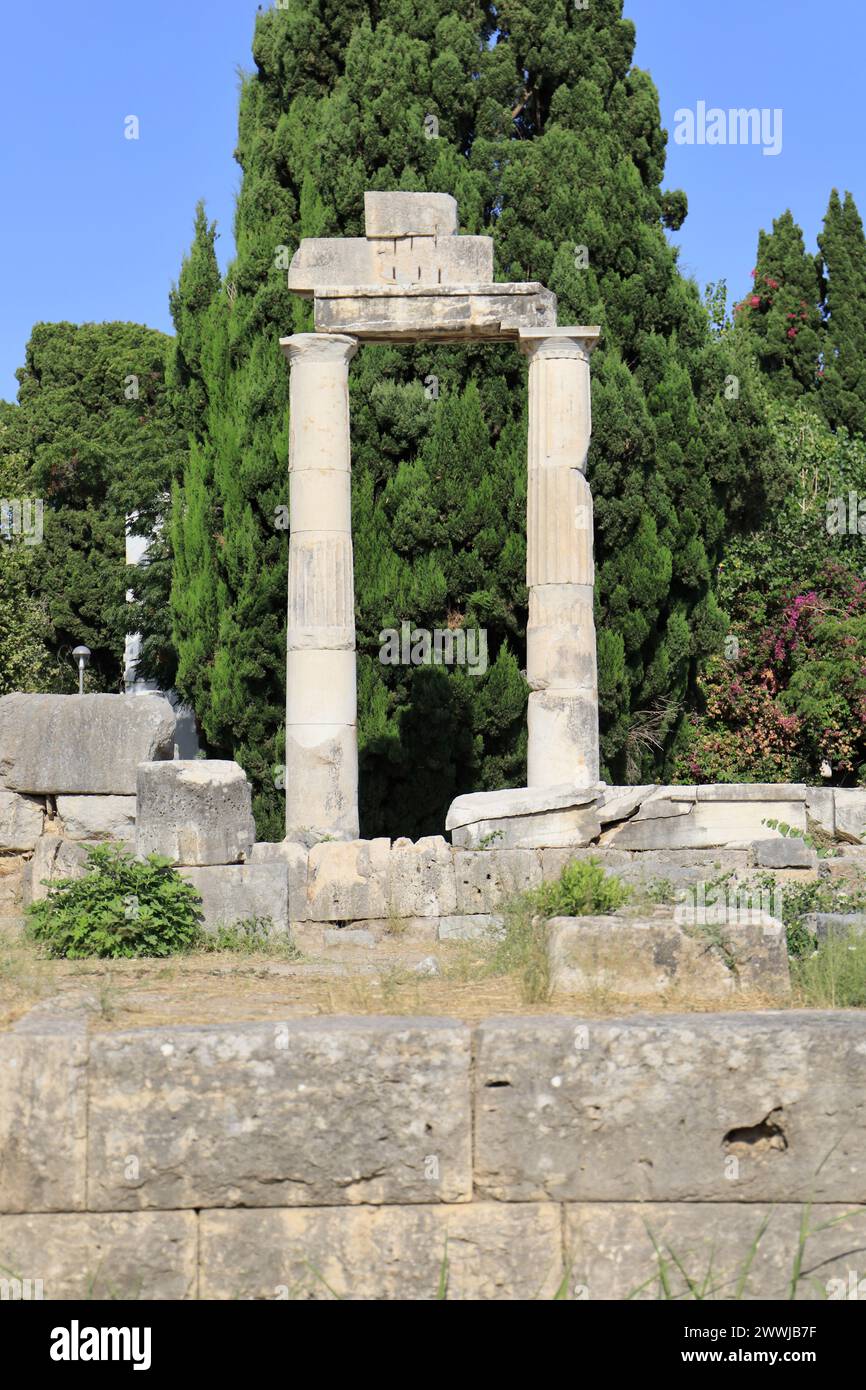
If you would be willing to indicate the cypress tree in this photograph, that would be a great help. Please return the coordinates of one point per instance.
(782, 313)
(843, 247)
(551, 143)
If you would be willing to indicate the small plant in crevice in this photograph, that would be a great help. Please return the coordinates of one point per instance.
(120, 908)
(253, 936)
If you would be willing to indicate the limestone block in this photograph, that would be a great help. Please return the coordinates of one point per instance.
(427, 260)
(12, 868)
(321, 782)
(563, 737)
(749, 791)
(785, 852)
(423, 882)
(559, 527)
(730, 1249)
(53, 859)
(81, 743)
(388, 1253)
(321, 687)
(657, 958)
(560, 637)
(195, 812)
(43, 1123)
(410, 214)
(99, 817)
(348, 880)
(529, 817)
(488, 878)
(321, 497)
(668, 824)
(477, 926)
(619, 803)
(301, 1112)
(113, 1255)
(321, 605)
(850, 803)
(653, 1109)
(674, 867)
(239, 892)
(435, 313)
(842, 924)
(20, 821)
(821, 807)
(294, 856)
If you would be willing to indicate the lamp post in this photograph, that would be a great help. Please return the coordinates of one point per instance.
(82, 657)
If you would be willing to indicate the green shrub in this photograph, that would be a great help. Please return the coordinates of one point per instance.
(582, 889)
(120, 908)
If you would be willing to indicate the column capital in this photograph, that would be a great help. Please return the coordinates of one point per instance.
(576, 342)
(319, 347)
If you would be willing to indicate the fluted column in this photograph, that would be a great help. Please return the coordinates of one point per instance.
(321, 678)
(560, 638)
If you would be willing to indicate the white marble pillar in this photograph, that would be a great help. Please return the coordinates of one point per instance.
(321, 682)
(560, 638)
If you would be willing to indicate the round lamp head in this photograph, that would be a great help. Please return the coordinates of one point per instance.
(82, 655)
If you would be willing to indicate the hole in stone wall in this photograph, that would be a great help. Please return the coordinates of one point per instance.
(768, 1134)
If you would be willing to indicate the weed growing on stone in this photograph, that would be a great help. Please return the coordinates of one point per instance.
(254, 936)
(834, 975)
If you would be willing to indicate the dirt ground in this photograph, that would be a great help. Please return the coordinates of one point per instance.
(224, 987)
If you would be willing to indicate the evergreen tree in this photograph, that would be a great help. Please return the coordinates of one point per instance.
(843, 247)
(551, 143)
(95, 431)
(782, 314)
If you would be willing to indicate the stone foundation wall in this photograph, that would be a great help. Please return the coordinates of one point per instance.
(308, 1158)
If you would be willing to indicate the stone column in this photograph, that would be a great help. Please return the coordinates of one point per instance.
(321, 693)
(560, 639)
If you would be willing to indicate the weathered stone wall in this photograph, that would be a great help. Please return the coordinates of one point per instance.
(313, 1157)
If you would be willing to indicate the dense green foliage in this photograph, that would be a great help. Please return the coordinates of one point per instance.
(94, 436)
(120, 908)
(342, 100)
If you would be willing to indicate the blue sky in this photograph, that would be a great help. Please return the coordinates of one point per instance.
(95, 225)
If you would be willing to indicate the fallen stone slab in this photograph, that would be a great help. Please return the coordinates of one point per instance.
(478, 926)
(21, 820)
(657, 1109)
(43, 1124)
(233, 893)
(619, 803)
(74, 744)
(839, 924)
(527, 818)
(306, 1112)
(98, 818)
(658, 958)
(194, 812)
(666, 823)
(729, 1250)
(490, 1250)
(113, 1255)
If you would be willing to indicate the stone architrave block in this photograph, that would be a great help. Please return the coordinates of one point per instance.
(657, 958)
(348, 880)
(731, 1250)
(99, 817)
(53, 859)
(433, 313)
(21, 820)
(668, 821)
(81, 744)
(423, 882)
(109, 1255)
(233, 893)
(493, 1251)
(486, 879)
(821, 807)
(43, 1122)
(301, 1112)
(850, 805)
(194, 812)
(653, 1109)
(525, 818)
